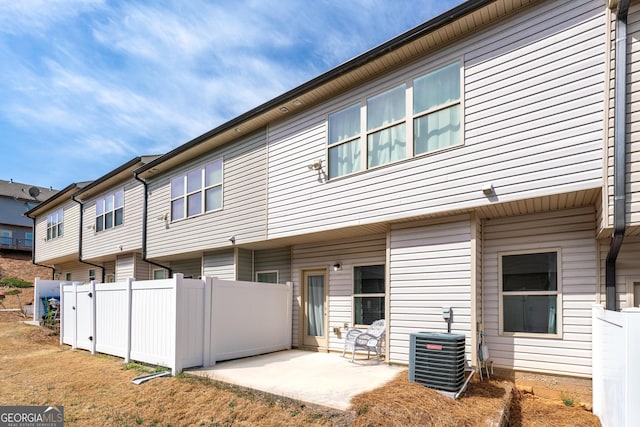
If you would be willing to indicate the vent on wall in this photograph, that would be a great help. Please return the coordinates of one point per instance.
(437, 360)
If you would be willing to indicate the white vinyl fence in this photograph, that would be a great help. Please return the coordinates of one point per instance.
(178, 323)
(616, 371)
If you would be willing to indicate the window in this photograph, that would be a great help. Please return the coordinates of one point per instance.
(530, 292)
(67, 277)
(6, 237)
(368, 294)
(378, 126)
(436, 109)
(28, 240)
(92, 274)
(267, 276)
(159, 274)
(54, 225)
(198, 191)
(110, 211)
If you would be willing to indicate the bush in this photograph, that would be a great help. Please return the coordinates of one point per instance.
(15, 283)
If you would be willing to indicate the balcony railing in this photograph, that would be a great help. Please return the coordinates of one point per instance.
(16, 243)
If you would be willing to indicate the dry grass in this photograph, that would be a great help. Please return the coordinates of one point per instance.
(96, 390)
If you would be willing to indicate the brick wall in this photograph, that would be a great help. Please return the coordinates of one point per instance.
(18, 264)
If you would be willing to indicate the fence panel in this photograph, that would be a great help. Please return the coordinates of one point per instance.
(248, 318)
(112, 318)
(616, 374)
(153, 321)
(177, 323)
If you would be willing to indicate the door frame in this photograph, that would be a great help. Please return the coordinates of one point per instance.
(323, 344)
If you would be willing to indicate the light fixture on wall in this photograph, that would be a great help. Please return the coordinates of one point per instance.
(232, 239)
(315, 166)
(337, 267)
(164, 217)
(487, 189)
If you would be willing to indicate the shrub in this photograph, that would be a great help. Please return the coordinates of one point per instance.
(15, 283)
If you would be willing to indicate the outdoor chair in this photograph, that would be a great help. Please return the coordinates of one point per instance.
(371, 340)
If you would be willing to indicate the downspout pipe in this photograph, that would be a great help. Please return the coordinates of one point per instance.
(619, 146)
(144, 225)
(33, 253)
(80, 240)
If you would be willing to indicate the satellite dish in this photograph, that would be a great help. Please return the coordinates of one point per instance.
(34, 192)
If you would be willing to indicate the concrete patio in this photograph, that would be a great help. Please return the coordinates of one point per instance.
(324, 379)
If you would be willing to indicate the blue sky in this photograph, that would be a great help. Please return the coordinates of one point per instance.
(86, 85)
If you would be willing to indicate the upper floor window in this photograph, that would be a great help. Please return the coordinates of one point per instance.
(55, 224)
(110, 211)
(378, 126)
(436, 109)
(530, 293)
(198, 191)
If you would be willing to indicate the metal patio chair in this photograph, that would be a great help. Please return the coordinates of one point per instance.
(371, 340)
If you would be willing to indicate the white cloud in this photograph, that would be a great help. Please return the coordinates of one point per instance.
(38, 15)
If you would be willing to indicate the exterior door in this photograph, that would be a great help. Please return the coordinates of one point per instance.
(314, 300)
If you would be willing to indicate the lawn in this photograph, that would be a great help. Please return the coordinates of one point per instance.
(96, 390)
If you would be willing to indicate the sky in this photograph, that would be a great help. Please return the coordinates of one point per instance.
(87, 85)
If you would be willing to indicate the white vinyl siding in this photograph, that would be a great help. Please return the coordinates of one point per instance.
(430, 268)
(632, 166)
(220, 264)
(125, 267)
(191, 268)
(627, 267)
(365, 250)
(532, 119)
(61, 248)
(244, 260)
(573, 233)
(274, 259)
(243, 214)
(77, 270)
(126, 237)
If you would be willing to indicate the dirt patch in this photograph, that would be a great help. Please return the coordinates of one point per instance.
(97, 390)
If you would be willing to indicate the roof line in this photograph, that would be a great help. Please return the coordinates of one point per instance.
(111, 174)
(53, 198)
(427, 27)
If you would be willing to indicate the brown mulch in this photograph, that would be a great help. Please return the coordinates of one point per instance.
(528, 410)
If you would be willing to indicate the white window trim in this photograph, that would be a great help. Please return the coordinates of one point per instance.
(153, 273)
(267, 272)
(559, 313)
(203, 190)
(104, 213)
(354, 295)
(60, 213)
(408, 120)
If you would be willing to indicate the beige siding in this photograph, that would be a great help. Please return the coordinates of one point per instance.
(125, 267)
(633, 110)
(126, 237)
(220, 264)
(79, 271)
(60, 247)
(245, 265)
(627, 269)
(533, 126)
(191, 268)
(573, 232)
(366, 250)
(143, 269)
(430, 269)
(109, 268)
(274, 259)
(244, 203)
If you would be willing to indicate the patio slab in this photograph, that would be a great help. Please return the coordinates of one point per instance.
(324, 379)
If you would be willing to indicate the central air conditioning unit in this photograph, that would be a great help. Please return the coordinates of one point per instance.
(437, 361)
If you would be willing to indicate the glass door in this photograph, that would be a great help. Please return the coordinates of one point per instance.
(315, 309)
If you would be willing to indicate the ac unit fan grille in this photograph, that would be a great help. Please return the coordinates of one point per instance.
(437, 360)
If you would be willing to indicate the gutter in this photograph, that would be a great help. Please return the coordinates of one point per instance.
(73, 197)
(33, 252)
(619, 145)
(144, 225)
